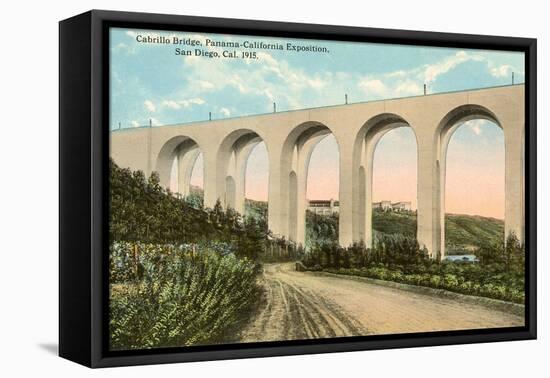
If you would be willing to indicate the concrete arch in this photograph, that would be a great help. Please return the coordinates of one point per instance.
(294, 164)
(231, 161)
(454, 119)
(445, 130)
(364, 148)
(186, 151)
(290, 135)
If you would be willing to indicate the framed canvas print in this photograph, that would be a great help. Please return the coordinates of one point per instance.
(234, 188)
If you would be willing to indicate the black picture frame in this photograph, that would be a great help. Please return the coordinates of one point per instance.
(83, 180)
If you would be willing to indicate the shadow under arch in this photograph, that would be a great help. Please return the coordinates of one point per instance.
(365, 144)
(445, 130)
(294, 164)
(185, 150)
(231, 161)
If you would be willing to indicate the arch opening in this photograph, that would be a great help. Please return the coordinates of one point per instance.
(177, 166)
(294, 189)
(235, 174)
(473, 185)
(394, 184)
(469, 115)
(322, 193)
(257, 184)
(398, 156)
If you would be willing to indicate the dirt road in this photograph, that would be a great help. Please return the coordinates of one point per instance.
(302, 305)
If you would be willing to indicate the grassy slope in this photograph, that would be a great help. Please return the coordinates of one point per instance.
(472, 230)
(462, 231)
(255, 209)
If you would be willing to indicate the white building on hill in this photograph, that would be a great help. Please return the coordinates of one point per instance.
(331, 206)
(324, 207)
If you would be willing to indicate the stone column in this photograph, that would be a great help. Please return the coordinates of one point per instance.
(297, 229)
(429, 194)
(514, 221)
(275, 211)
(347, 179)
(362, 178)
(241, 160)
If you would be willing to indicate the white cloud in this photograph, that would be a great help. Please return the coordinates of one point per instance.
(135, 124)
(178, 104)
(149, 105)
(504, 70)
(408, 87)
(317, 83)
(274, 80)
(155, 122)
(432, 71)
(476, 129)
(269, 78)
(476, 125)
(399, 73)
(237, 81)
(204, 84)
(373, 86)
(403, 83)
(268, 94)
(171, 104)
(196, 101)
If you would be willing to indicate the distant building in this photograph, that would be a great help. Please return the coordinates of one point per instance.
(470, 259)
(324, 207)
(328, 207)
(401, 206)
(388, 206)
(382, 205)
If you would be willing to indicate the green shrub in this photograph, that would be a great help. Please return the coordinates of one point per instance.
(178, 297)
(142, 211)
(500, 274)
(435, 281)
(450, 281)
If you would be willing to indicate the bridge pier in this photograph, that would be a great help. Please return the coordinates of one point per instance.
(291, 137)
(293, 188)
(514, 212)
(345, 196)
(429, 222)
(275, 212)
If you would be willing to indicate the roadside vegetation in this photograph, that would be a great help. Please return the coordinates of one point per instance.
(179, 274)
(499, 274)
(182, 274)
(463, 233)
(167, 296)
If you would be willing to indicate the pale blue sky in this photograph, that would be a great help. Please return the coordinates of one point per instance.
(150, 82)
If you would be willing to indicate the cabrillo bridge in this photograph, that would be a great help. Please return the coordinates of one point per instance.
(291, 136)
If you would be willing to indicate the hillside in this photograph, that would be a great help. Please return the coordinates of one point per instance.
(144, 212)
(472, 230)
(463, 232)
(255, 209)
